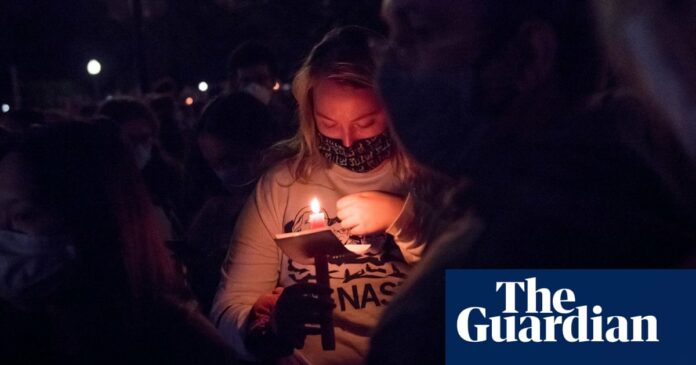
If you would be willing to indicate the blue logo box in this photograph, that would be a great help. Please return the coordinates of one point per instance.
(570, 317)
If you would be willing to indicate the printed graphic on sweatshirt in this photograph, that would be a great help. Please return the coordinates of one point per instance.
(365, 279)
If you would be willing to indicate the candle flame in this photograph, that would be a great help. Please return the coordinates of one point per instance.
(315, 205)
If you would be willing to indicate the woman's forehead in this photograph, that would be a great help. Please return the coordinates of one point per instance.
(335, 99)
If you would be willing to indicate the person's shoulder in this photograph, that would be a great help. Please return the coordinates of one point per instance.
(278, 176)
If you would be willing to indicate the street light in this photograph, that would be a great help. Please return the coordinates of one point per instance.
(93, 67)
(5, 108)
(203, 86)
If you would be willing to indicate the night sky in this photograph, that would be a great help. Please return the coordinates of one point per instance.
(49, 42)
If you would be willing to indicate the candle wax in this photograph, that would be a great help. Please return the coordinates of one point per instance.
(316, 220)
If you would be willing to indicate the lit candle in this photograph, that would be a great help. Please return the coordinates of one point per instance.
(316, 219)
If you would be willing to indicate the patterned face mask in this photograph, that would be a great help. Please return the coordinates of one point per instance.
(363, 156)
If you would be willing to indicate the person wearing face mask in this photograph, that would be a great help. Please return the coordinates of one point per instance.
(84, 276)
(252, 68)
(345, 155)
(221, 173)
(138, 129)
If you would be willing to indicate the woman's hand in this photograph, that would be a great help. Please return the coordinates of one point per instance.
(299, 311)
(368, 212)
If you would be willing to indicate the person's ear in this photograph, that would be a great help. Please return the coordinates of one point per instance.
(539, 50)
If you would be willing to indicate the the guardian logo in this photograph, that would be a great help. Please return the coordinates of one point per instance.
(555, 319)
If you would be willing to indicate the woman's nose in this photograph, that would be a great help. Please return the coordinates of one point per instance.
(347, 141)
(347, 138)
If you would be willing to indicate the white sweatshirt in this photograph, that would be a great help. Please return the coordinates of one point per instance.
(362, 286)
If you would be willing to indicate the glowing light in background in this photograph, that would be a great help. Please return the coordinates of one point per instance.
(203, 86)
(5, 108)
(93, 67)
(276, 86)
(188, 101)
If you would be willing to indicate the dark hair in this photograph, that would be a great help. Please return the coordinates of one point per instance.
(162, 105)
(243, 124)
(82, 174)
(251, 53)
(239, 120)
(581, 62)
(124, 109)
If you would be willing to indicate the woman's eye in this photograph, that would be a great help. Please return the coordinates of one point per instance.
(366, 123)
(328, 124)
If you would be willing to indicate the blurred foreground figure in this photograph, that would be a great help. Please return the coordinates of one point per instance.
(652, 46)
(85, 277)
(509, 95)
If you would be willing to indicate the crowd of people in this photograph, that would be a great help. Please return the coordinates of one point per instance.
(477, 134)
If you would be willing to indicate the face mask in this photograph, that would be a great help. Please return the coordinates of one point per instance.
(261, 93)
(435, 114)
(364, 155)
(234, 177)
(142, 154)
(30, 265)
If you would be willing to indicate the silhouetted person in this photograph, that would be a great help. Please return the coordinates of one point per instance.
(252, 67)
(85, 277)
(171, 134)
(139, 130)
(506, 94)
(225, 164)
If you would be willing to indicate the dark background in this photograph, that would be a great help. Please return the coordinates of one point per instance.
(49, 42)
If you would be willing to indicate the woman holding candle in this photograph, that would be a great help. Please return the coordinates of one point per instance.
(346, 158)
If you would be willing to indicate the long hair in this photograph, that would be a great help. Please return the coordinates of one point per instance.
(82, 174)
(343, 55)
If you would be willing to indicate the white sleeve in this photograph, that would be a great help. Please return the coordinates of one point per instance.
(252, 265)
(404, 231)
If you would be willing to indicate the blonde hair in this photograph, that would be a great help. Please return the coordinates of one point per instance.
(342, 55)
